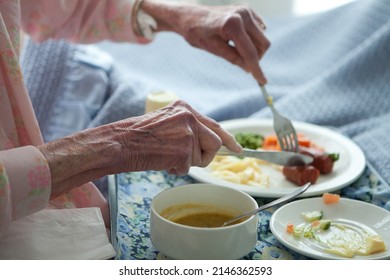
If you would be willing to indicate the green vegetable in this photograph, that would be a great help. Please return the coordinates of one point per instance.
(324, 224)
(312, 216)
(249, 140)
(334, 156)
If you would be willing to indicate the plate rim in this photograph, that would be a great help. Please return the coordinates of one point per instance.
(352, 147)
(324, 255)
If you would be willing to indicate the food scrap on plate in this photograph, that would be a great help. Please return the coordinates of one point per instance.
(339, 237)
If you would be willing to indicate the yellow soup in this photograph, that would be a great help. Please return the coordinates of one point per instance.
(198, 215)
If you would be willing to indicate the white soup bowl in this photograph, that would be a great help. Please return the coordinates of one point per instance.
(177, 241)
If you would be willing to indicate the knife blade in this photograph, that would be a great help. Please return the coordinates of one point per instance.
(276, 157)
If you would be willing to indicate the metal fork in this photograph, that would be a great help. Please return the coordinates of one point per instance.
(283, 127)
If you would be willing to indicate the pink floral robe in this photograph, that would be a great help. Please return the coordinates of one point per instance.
(25, 182)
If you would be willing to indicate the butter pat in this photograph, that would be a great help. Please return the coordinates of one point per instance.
(159, 99)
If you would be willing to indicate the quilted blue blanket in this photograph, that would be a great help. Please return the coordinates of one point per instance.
(329, 69)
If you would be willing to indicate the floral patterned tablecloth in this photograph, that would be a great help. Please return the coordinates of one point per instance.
(130, 195)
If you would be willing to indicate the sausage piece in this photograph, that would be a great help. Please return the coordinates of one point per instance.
(301, 175)
(322, 161)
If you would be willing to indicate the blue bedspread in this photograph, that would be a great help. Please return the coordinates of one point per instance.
(328, 69)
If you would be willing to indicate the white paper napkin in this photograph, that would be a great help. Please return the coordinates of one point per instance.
(54, 234)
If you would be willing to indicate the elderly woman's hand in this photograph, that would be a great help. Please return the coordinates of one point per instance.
(173, 138)
(232, 32)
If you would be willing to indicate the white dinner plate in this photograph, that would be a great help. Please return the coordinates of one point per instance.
(347, 169)
(359, 214)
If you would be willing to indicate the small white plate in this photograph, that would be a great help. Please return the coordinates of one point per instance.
(361, 215)
(347, 169)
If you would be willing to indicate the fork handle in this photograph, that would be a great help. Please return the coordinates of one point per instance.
(268, 98)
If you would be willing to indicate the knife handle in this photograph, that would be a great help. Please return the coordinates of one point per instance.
(223, 151)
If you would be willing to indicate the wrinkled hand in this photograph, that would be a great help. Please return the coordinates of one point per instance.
(173, 138)
(232, 32)
(235, 33)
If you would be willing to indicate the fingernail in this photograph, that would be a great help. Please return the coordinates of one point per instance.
(238, 147)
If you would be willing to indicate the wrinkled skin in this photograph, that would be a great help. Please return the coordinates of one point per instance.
(173, 138)
(235, 33)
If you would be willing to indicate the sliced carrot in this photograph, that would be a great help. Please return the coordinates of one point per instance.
(330, 198)
(303, 140)
(290, 228)
(270, 139)
(271, 142)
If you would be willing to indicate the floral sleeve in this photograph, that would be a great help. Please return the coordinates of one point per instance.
(84, 21)
(25, 183)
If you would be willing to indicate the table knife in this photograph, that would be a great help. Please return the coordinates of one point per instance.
(276, 157)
